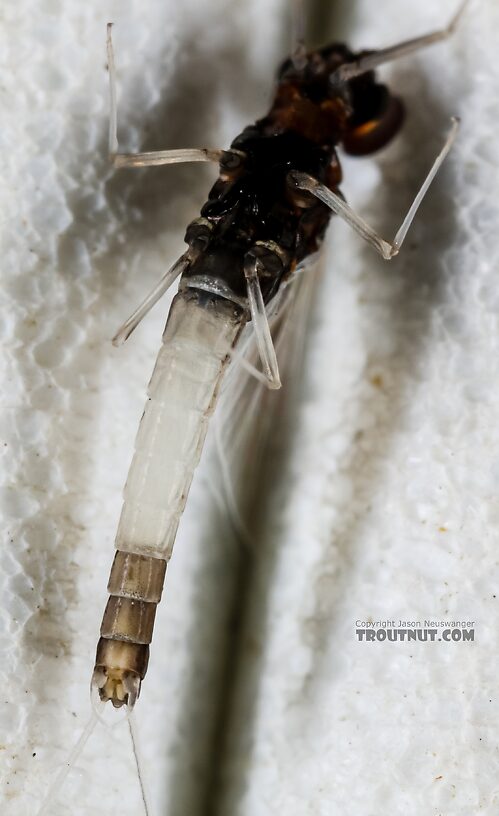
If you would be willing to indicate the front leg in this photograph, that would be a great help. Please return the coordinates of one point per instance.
(386, 249)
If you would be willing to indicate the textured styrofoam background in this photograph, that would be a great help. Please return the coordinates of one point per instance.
(384, 501)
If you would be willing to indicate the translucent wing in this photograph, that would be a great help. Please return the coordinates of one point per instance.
(248, 410)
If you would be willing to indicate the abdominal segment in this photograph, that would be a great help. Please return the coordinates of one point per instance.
(183, 391)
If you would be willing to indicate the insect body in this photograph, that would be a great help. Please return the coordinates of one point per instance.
(265, 215)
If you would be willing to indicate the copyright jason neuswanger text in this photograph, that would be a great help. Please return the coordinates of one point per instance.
(432, 630)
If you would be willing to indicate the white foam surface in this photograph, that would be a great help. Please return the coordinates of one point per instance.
(386, 503)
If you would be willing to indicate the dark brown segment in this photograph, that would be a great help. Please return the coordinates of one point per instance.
(128, 619)
(119, 655)
(137, 576)
(119, 669)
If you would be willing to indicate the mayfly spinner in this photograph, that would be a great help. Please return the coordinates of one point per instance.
(265, 215)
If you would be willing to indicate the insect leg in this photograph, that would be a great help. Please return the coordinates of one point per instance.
(386, 249)
(149, 159)
(261, 326)
(152, 298)
(158, 157)
(377, 58)
(113, 106)
(239, 358)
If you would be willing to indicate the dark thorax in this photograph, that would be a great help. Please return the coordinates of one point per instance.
(254, 211)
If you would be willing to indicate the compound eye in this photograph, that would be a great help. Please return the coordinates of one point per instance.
(376, 120)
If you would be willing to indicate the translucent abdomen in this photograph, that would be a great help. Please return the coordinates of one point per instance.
(200, 331)
(182, 395)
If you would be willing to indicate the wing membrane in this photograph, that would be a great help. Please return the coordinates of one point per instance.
(248, 410)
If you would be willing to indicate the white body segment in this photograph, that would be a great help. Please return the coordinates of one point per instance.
(182, 396)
